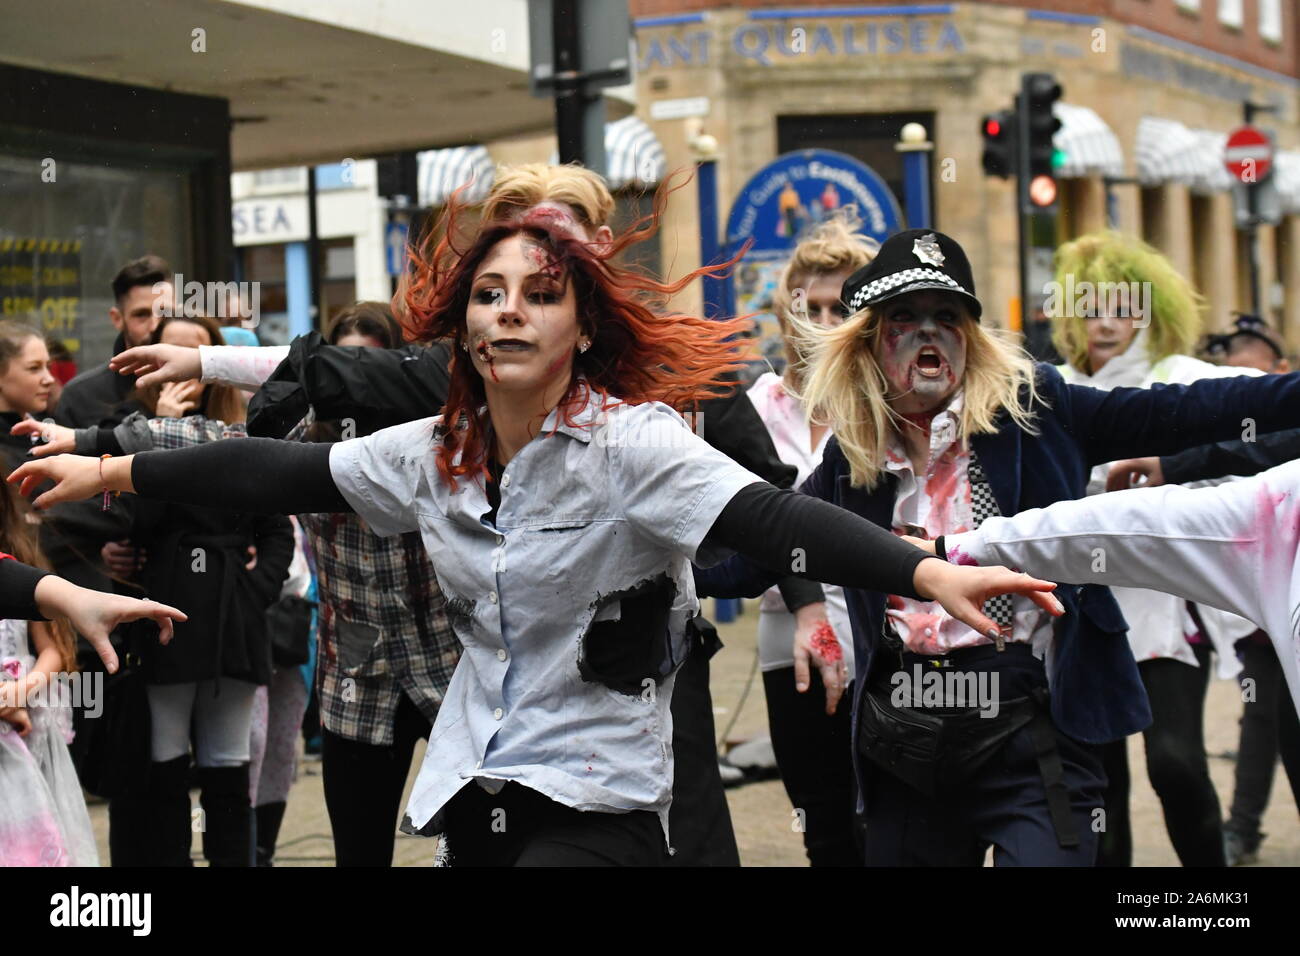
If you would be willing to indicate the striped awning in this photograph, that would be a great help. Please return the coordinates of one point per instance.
(1169, 152)
(1166, 151)
(633, 154)
(1089, 145)
(440, 172)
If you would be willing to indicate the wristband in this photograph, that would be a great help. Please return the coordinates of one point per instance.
(940, 551)
(104, 506)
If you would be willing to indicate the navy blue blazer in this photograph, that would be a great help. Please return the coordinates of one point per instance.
(1096, 693)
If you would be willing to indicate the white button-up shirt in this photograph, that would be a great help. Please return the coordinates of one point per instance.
(939, 502)
(587, 510)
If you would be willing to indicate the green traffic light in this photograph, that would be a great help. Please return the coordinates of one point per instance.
(1058, 158)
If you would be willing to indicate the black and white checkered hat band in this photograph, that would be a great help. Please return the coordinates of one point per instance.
(873, 290)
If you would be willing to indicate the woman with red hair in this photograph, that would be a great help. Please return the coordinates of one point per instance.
(561, 499)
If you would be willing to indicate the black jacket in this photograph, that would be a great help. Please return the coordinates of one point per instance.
(97, 396)
(1242, 458)
(196, 559)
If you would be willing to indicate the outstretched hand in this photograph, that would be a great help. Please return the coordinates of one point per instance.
(156, 364)
(59, 440)
(963, 590)
(94, 614)
(75, 477)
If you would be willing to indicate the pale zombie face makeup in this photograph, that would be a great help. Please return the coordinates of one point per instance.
(522, 320)
(922, 350)
(1108, 336)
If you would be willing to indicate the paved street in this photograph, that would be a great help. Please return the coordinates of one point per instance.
(762, 814)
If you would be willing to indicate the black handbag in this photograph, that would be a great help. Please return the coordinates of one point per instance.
(931, 751)
(116, 758)
(288, 621)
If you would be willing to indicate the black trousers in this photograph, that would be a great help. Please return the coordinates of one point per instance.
(363, 788)
(1176, 765)
(1268, 729)
(699, 820)
(521, 827)
(815, 754)
(1003, 804)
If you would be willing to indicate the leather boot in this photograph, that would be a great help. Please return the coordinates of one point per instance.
(269, 817)
(227, 834)
(167, 828)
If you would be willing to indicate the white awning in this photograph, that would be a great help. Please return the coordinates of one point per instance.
(1089, 145)
(1169, 152)
(440, 172)
(1286, 178)
(633, 154)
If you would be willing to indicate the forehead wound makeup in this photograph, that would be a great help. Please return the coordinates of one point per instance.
(543, 260)
(549, 217)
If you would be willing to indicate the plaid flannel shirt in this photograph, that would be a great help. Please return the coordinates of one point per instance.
(382, 627)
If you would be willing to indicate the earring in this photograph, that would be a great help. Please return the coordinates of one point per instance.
(584, 346)
(464, 347)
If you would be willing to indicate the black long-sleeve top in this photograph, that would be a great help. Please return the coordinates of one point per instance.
(18, 590)
(762, 522)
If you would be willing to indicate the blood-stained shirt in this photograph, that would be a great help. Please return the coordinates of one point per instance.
(939, 502)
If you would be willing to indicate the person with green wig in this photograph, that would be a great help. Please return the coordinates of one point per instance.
(1123, 315)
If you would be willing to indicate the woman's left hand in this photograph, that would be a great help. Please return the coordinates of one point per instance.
(963, 590)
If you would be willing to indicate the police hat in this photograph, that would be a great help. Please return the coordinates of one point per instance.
(909, 261)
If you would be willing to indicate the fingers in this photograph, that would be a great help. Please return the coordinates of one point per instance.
(28, 426)
(104, 648)
(833, 679)
(801, 678)
(1118, 479)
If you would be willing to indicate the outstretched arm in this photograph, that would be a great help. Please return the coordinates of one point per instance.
(259, 476)
(1202, 544)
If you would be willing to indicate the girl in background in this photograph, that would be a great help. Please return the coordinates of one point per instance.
(43, 820)
(1145, 320)
(811, 737)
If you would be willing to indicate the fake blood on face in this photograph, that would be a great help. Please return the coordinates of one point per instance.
(824, 643)
(484, 350)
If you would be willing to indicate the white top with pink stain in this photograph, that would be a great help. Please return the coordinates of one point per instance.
(1231, 546)
(940, 503)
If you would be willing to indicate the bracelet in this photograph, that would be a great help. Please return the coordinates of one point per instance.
(104, 506)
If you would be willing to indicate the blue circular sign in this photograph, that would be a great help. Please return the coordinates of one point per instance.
(799, 190)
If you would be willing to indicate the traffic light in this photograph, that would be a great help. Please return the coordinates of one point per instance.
(999, 132)
(1038, 93)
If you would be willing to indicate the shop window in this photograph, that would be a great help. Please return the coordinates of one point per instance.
(61, 246)
(869, 137)
(1202, 224)
(1151, 200)
(265, 265)
(629, 206)
(1189, 6)
(1270, 20)
(338, 277)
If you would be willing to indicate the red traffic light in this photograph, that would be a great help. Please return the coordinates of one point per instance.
(1042, 190)
(992, 127)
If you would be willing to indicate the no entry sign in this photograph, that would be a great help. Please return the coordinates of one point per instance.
(1248, 154)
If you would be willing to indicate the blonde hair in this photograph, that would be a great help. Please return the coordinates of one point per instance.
(834, 246)
(519, 188)
(845, 383)
(1173, 306)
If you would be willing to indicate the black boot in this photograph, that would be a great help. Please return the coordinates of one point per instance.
(269, 817)
(227, 832)
(168, 807)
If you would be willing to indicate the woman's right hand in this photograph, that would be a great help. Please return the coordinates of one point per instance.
(156, 364)
(177, 399)
(75, 477)
(95, 614)
(58, 439)
(19, 718)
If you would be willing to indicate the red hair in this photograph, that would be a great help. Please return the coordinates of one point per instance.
(639, 353)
